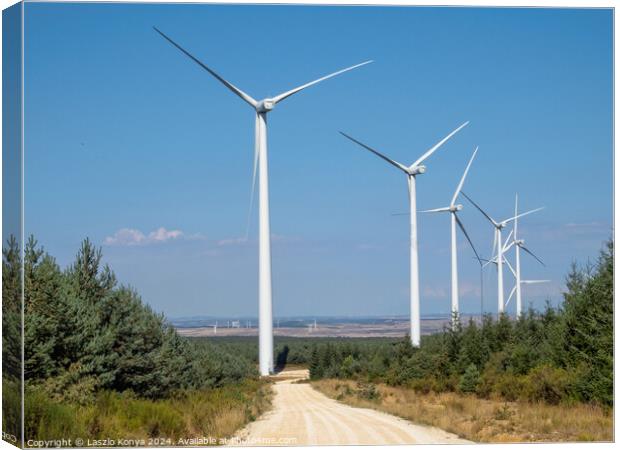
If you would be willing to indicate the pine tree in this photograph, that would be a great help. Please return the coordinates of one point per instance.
(316, 369)
(11, 310)
(470, 379)
(46, 314)
(587, 329)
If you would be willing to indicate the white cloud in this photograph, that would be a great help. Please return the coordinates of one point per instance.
(163, 235)
(131, 237)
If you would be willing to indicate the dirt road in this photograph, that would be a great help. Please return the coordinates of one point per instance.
(303, 416)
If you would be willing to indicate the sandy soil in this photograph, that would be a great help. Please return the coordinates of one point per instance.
(303, 416)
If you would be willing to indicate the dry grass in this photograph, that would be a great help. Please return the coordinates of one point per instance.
(214, 413)
(482, 420)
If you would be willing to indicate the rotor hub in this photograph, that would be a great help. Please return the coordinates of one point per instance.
(455, 208)
(417, 170)
(265, 105)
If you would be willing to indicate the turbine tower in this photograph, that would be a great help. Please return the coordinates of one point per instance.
(519, 244)
(412, 171)
(453, 209)
(497, 244)
(261, 107)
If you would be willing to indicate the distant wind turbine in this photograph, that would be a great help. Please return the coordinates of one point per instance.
(497, 244)
(453, 209)
(412, 171)
(261, 107)
(519, 244)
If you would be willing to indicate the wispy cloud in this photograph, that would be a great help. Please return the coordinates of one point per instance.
(572, 231)
(275, 239)
(435, 292)
(232, 241)
(130, 237)
(443, 292)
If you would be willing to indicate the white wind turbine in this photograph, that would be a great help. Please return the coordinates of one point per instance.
(519, 244)
(412, 171)
(497, 244)
(261, 107)
(453, 209)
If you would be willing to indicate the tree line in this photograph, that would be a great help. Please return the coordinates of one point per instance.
(561, 354)
(84, 333)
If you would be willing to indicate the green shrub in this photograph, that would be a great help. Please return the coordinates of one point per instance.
(422, 385)
(548, 384)
(11, 408)
(503, 413)
(368, 391)
(48, 419)
(470, 379)
(349, 367)
(510, 386)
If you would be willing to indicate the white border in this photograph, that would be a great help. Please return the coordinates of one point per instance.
(479, 3)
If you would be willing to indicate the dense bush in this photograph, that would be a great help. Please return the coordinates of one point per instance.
(559, 354)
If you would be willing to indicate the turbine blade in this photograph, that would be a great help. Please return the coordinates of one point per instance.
(516, 215)
(256, 147)
(430, 151)
(509, 246)
(279, 98)
(446, 209)
(505, 246)
(460, 186)
(230, 86)
(523, 214)
(401, 214)
(535, 281)
(380, 155)
(514, 274)
(510, 296)
(533, 255)
(460, 224)
(482, 211)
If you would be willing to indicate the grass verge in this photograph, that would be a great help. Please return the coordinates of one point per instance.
(186, 419)
(478, 419)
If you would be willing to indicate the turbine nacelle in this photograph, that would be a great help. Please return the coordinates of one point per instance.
(418, 170)
(455, 208)
(265, 105)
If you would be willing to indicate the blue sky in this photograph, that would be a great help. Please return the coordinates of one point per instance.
(123, 132)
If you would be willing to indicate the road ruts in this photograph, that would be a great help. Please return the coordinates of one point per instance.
(303, 416)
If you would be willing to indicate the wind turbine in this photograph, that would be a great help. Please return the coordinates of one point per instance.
(497, 243)
(412, 171)
(261, 107)
(454, 221)
(519, 244)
